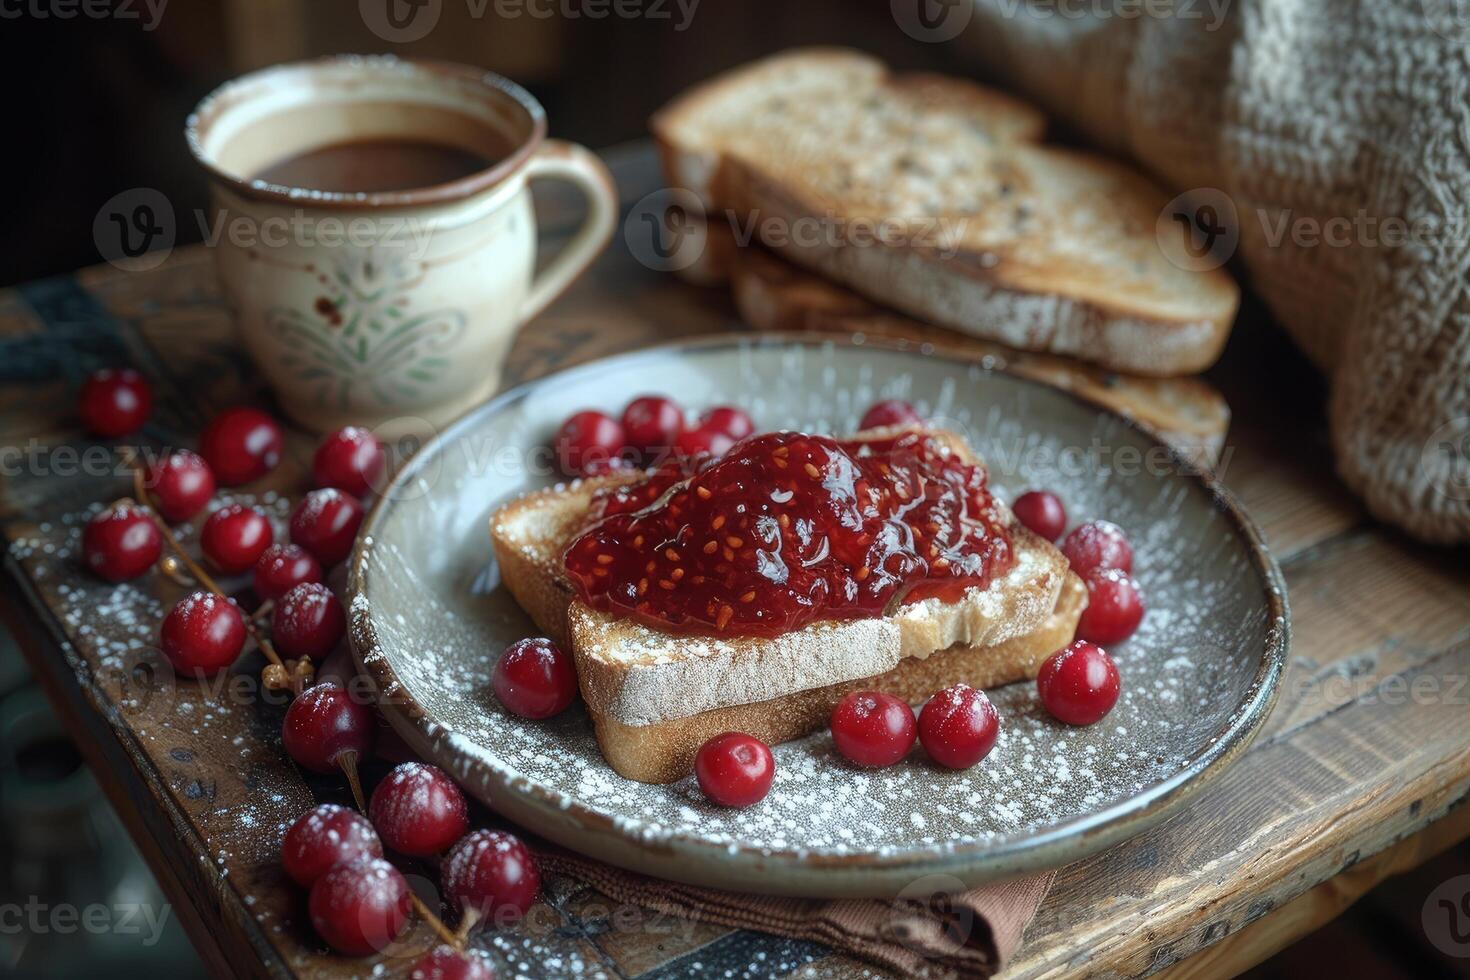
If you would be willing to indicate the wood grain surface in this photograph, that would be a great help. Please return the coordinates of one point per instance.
(1360, 773)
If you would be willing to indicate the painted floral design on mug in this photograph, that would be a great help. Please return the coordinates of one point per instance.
(362, 338)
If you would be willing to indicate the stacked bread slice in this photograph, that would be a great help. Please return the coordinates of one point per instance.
(932, 196)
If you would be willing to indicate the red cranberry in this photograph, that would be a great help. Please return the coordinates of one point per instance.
(1097, 544)
(241, 445)
(534, 678)
(588, 443)
(891, 412)
(493, 875)
(121, 543)
(418, 810)
(735, 769)
(282, 567)
(308, 621)
(325, 523)
(350, 459)
(234, 537)
(360, 908)
(704, 440)
(203, 634)
(1078, 684)
(652, 423)
(1042, 512)
(324, 836)
(958, 726)
(1114, 607)
(115, 402)
(728, 419)
(872, 728)
(324, 723)
(180, 484)
(448, 963)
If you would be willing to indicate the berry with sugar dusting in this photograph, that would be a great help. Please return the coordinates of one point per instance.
(958, 726)
(121, 543)
(360, 908)
(871, 728)
(180, 485)
(282, 567)
(324, 724)
(1079, 683)
(323, 837)
(234, 537)
(418, 810)
(203, 634)
(1097, 544)
(350, 459)
(325, 523)
(491, 875)
(308, 621)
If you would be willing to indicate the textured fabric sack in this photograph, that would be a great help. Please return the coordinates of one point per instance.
(1338, 134)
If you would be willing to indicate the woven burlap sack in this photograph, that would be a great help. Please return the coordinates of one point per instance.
(1338, 134)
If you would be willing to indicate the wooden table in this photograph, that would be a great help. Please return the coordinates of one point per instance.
(1358, 774)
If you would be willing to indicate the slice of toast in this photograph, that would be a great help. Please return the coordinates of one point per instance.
(637, 676)
(983, 230)
(772, 294)
(664, 751)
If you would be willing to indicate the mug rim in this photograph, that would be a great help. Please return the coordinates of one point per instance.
(218, 101)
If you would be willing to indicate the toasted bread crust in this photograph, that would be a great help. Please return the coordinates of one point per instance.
(664, 751)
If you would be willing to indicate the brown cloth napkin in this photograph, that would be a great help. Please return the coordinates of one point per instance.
(967, 934)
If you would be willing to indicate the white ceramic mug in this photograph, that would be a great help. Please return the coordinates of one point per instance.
(363, 308)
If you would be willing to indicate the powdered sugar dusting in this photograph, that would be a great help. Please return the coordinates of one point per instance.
(441, 619)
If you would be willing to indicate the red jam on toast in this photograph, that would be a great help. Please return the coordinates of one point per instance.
(789, 529)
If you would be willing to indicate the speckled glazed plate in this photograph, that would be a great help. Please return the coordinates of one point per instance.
(429, 616)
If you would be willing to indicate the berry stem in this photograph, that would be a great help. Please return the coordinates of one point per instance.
(466, 923)
(348, 762)
(294, 678)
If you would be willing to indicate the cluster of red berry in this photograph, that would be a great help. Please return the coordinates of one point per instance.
(360, 902)
(591, 443)
(206, 631)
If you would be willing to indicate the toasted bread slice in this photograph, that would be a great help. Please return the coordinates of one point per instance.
(928, 195)
(664, 751)
(635, 675)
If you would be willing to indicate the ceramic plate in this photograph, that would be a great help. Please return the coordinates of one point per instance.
(429, 616)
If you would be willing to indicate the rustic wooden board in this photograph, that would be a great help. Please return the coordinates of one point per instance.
(1347, 770)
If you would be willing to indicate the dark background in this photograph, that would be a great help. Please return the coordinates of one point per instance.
(96, 105)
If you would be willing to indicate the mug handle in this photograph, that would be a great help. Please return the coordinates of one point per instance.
(560, 160)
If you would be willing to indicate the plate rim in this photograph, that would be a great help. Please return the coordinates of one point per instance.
(679, 855)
